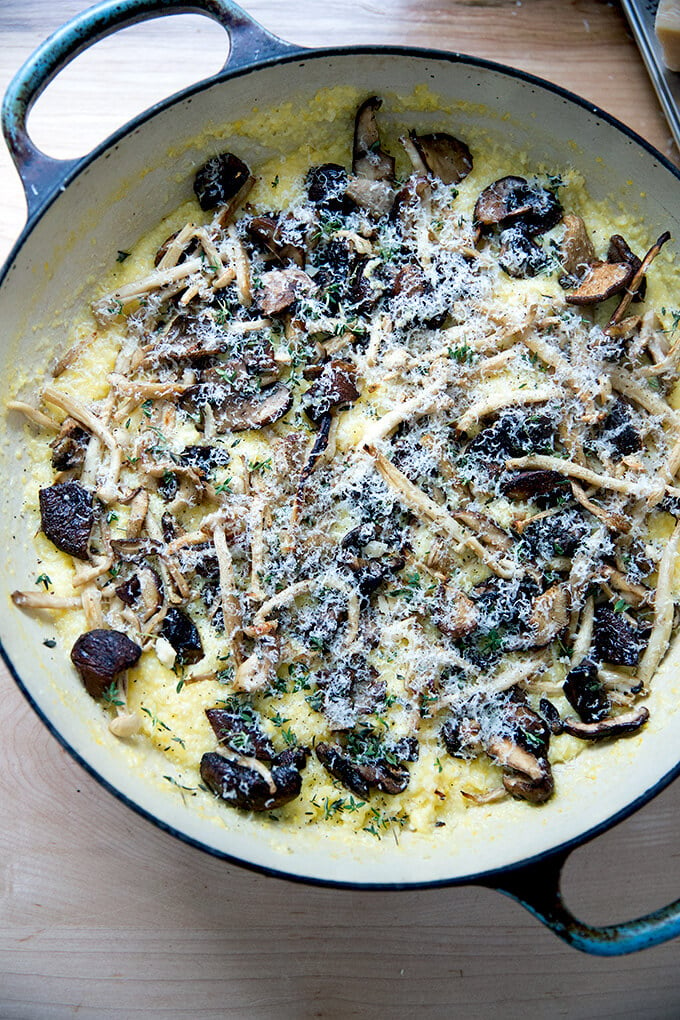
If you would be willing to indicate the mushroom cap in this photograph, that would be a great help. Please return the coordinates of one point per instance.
(67, 517)
(101, 655)
(219, 179)
(445, 157)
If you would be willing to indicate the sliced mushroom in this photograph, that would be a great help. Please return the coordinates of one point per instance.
(334, 389)
(551, 716)
(585, 693)
(620, 433)
(268, 232)
(67, 517)
(549, 615)
(368, 159)
(614, 726)
(615, 639)
(514, 201)
(454, 612)
(181, 632)
(576, 250)
(220, 179)
(376, 197)
(602, 281)
(444, 156)
(245, 787)
(410, 280)
(327, 188)
(520, 256)
(240, 730)
(529, 484)
(68, 449)
(281, 288)
(619, 251)
(205, 458)
(350, 691)
(100, 656)
(237, 413)
(360, 777)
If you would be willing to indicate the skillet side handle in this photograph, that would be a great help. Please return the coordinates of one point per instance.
(537, 888)
(41, 175)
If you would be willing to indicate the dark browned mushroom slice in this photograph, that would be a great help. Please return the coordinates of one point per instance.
(240, 730)
(615, 639)
(368, 159)
(520, 256)
(635, 284)
(245, 788)
(334, 389)
(409, 280)
(220, 179)
(585, 693)
(619, 251)
(100, 656)
(67, 517)
(235, 412)
(294, 757)
(602, 281)
(444, 156)
(522, 747)
(417, 188)
(529, 484)
(370, 574)
(130, 590)
(68, 449)
(280, 288)
(551, 716)
(514, 201)
(361, 777)
(327, 188)
(268, 232)
(181, 632)
(205, 458)
(351, 690)
(614, 726)
(620, 433)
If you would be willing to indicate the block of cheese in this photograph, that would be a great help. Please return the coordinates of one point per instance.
(667, 27)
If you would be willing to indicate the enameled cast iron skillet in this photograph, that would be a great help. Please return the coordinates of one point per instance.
(82, 211)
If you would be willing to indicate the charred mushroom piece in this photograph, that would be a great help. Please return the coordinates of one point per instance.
(234, 412)
(513, 201)
(205, 457)
(445, 157)
(614, 726)
(585, 693)
(375, 197)
(454, 612)
(246, 788)
(220, 179)
(267, 231)
(520, 256)
(602, 281)
(327, 188)
(529, 484)
(551, 716)
(241, 732)
(615, 640)
(181, 632)
(281, 288)
(410, 281)
(525, 752)
(132, 589)
(619, 251)
(102, 655)
(549, 615)
(68, 449)
(360, 777)
(334, 389)
(368, 159)
(620, 433)
(67, 517)
(294, 757)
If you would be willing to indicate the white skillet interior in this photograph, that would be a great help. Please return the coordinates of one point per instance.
(116, 199)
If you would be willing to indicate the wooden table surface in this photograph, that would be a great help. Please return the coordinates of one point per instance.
(103, 915)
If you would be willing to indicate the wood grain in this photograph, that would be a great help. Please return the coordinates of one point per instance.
(102, 915)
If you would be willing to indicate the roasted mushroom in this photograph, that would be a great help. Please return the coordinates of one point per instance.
(520, 256)
(270, 233)
(576, 252)
(100, 656)
(529, 484)
(239, 729)
(334, 389)
(615, 639)
(327, 187)
(181, 632)
(247, 788)
(443, 156)
(513, 201)
(612, 726)
(280, 288)
(360, 777)
(234, 411)
(220, 179)
(69, 447)
(602, 281)
(585, 693)
(67, 517)
(368, 159)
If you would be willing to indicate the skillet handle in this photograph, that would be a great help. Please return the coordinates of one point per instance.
(40, 174)
(537, 888)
